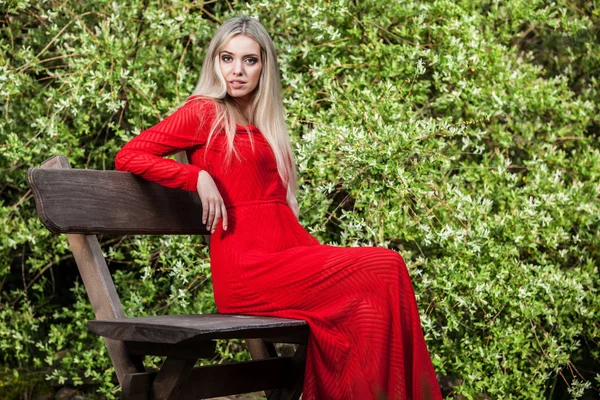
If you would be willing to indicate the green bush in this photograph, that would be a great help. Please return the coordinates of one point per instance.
(463, 134)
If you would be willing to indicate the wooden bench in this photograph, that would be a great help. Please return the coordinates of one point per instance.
(84, 203)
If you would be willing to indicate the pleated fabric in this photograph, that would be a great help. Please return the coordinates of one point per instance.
(365, 333)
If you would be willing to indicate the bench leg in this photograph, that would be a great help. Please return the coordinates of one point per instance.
(173, 373)
(292, 387)
(259, 350)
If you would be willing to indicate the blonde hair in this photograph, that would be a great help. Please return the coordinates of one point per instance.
(266, 112)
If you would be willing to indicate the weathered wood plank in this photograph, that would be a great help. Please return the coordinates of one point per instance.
(172, 375)
(99, 202)
(294, 380)
(96, 277)
(295, 338)
(136, 386)
(186, 350)
(218, 380)
(260, 350)
(55, 162)
(102, 295)
(292, 385)
(198, 327)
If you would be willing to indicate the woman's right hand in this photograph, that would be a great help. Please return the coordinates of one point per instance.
(213, 206)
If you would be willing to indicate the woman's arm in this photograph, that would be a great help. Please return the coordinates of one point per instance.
(186, 128)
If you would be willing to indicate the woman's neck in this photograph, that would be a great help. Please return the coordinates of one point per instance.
(243, 107)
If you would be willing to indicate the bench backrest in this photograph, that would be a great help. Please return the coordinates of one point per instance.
(96, 202)
(83, 203)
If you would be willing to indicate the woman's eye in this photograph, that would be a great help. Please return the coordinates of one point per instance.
(251, 61)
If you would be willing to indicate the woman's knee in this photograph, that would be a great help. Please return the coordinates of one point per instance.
(393, 258)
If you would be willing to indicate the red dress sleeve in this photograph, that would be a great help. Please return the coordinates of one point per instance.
(185, 129)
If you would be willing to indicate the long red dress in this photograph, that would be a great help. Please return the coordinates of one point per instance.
(365, 332)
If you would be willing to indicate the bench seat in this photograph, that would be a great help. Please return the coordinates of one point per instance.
(173, 329)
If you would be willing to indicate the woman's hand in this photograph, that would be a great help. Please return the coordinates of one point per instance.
(292, 202)
(213, 206)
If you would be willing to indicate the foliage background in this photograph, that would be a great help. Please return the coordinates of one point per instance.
(463, 134)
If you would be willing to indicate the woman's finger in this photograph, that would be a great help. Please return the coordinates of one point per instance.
(217, 217)
(204, 210)
(224, 214)
(211, 215)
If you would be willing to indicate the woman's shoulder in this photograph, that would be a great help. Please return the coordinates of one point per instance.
(201, 103)
(204, 109)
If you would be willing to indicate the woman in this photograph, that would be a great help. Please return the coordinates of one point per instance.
(366, 338)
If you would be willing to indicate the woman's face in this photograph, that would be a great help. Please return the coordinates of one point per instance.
(240, 65)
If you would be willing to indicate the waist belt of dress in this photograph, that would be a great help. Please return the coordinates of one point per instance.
(254, 202)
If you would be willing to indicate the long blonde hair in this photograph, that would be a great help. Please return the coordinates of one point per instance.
(266, 112)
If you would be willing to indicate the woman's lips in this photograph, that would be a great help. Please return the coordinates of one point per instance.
(237, 84)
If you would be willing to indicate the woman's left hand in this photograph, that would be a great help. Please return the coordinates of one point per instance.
(293, 203)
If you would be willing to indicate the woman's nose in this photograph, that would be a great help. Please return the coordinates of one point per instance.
(238, 68)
